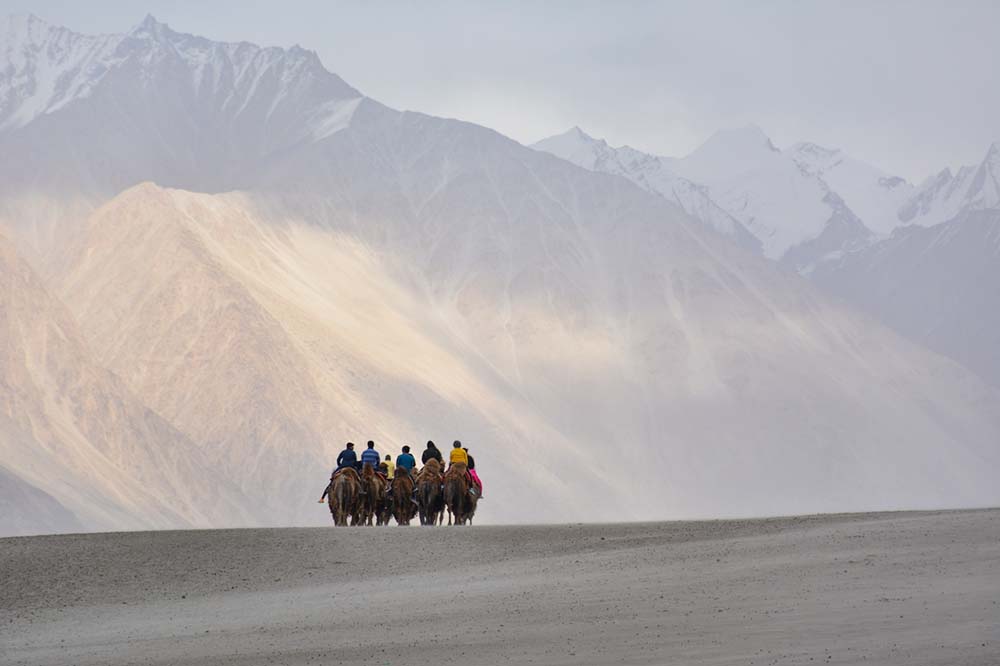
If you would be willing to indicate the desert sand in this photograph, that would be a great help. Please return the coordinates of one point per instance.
(890, 588)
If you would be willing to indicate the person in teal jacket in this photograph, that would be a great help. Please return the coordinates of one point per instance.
(405, 460)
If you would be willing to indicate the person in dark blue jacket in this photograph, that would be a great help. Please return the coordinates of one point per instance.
(370, 455)
(347, 458)
(406, 460)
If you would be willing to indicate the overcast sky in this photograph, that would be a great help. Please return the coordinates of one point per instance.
(909, 86)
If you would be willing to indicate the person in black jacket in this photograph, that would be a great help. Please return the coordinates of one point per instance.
(431, 452)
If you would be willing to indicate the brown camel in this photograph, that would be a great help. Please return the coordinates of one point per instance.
(460, 502)
(373, 488)
(430, 498)
(384, 512)
(403, 509)
(344, 489)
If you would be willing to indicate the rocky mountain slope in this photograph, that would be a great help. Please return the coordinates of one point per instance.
(73, 431)
(939, 285)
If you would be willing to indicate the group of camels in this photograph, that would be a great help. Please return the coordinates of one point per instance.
(364, 499)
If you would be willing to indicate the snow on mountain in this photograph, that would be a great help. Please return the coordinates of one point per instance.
(85, 117)
(843, 224)
(871, 194)
(729, 154)
(650, 172)
(935, 280)
(764, 188)
(406, 277)
(45, 67)
(945, 196)
(802, 205)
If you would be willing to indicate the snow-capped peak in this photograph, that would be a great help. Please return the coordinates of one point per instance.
(946, 195)
(44, 68)
(149, 27)
(576, 146)
(728, 153)
(651, 172)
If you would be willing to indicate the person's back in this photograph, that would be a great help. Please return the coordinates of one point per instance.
(406, 460)
(458, 455)
(370, 456)
(431, 452)
(347, 457)
(390, 468)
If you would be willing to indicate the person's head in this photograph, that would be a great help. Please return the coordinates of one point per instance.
(457, 444)
(350, 445)
(406, 449)
(388, 457)
(430, 445)
(371, 444)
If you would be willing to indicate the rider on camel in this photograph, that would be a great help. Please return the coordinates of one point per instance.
(460, 455)
(370, 457)
(347, 459)
(405, 460)
(473, 473)
(431, 452)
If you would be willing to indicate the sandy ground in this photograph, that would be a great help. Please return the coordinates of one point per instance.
(903, 588)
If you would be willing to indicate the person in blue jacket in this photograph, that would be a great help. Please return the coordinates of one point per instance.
(347, 458)
(406, 460)
(370, 455)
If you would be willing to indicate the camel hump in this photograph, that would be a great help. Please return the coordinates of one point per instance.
(349, 471)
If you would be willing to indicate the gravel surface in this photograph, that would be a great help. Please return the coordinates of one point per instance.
(897, 588)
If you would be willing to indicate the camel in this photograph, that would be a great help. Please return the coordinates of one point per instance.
(430, 499)
(344, 489)
(460, 502)
(384, 512)
(374, 487)
(403, 509)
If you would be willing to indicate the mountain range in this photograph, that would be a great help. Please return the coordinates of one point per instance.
(223, 262)
(844, 224)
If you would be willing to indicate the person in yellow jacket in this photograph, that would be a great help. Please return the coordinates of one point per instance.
(458, 454)
(390, 467)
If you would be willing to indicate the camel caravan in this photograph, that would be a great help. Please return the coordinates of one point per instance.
(373, 491)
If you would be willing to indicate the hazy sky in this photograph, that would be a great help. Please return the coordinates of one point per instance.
(909, 86)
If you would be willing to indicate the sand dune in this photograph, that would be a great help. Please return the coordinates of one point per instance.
(841, 589)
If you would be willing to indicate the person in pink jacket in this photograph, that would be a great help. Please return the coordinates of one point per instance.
(473, 473)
